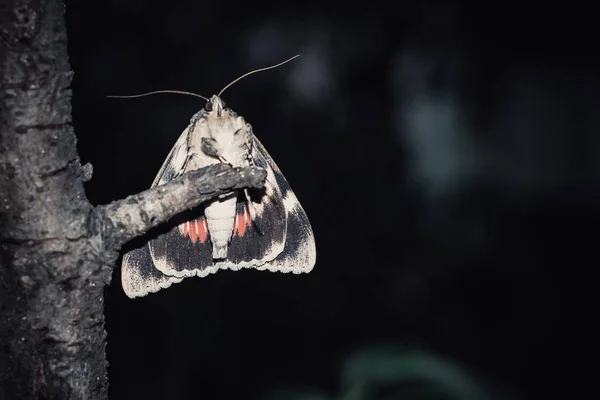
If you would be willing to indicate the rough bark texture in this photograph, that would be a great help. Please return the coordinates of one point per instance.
(56, 250)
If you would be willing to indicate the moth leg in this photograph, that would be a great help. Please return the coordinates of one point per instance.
(209, 147)
(183, 167)
(185, 164)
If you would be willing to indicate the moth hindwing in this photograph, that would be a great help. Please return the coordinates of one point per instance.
(264, 229)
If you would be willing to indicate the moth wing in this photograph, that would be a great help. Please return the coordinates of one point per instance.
(261, 224)
(182, 241)
(138, 274)
(175, 161)
(299, 252)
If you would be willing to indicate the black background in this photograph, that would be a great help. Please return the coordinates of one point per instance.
(447, 157)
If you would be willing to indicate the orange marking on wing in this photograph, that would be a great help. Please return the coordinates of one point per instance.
(202, 229)
(193, 232)
(242, 222)
(186, 229)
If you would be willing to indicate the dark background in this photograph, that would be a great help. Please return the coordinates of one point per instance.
(447, 157)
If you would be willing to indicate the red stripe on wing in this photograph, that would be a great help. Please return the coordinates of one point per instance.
(193, 231)
(196, 230)
(202, 228)
(242, 222)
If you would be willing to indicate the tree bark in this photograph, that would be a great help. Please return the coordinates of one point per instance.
(57, 251)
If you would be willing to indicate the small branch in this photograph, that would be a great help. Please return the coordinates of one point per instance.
(131, 217)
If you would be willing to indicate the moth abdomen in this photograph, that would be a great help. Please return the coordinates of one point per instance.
(220, 217)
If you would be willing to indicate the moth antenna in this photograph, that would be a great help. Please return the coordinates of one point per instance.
(161, 91)
(255, 71)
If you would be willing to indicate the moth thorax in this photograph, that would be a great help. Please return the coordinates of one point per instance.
(220, 217)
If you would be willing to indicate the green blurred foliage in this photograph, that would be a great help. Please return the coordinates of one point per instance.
(393, 372)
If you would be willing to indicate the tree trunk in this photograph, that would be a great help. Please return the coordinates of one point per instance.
(57, 251)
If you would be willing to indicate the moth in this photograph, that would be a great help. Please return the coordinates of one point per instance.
(264, 229)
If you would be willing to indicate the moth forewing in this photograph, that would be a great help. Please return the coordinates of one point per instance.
(174, 164)
(299, 251)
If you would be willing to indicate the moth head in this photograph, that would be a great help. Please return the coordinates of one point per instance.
(215, 105)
